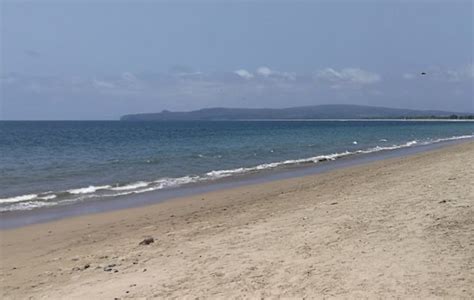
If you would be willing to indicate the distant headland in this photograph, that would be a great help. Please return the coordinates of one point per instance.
(330, 111)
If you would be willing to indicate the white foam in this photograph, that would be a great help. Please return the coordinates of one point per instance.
(47, 197)
(131, 186)
(172, 182)
(18, 198)
(225, 173)
(29, 205)
(89, 189)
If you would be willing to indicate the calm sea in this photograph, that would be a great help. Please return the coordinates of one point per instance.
(46, 164)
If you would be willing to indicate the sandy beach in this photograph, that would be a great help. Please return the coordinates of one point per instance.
(401, 227)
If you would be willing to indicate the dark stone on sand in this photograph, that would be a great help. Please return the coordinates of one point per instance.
(147, 241)
(442, 201)
(86, 266)
(334, 203)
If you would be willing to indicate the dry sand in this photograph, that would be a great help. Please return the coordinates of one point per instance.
(402, 227)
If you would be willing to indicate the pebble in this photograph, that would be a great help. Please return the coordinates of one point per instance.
(147, 241)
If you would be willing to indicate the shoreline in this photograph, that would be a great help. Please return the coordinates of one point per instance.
(15, 219)
(400, 227)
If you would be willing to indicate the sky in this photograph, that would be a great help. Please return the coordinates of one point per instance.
(85, 60)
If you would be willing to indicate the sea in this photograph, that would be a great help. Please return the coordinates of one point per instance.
(46, 164)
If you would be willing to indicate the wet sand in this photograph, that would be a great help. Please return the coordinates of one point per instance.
(402, 227)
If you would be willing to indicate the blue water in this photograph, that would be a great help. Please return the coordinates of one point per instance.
(46, 164)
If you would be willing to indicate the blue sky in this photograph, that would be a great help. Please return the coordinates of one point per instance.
(101, 59)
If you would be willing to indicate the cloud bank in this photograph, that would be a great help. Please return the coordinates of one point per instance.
(108, 97)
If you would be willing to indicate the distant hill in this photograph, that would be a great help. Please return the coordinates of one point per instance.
(338, 111)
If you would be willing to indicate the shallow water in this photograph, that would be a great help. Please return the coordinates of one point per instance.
(46, 164)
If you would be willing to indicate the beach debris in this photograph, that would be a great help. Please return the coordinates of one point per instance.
(147, 241)
(354, 142)
(109, 268)
(85, 267)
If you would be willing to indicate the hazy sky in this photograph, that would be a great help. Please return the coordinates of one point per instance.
(101, 59)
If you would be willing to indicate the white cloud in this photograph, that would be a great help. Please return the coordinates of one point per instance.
(264, 71)
(103, 84)
(353, 76)
(269, 73)
(244, 74)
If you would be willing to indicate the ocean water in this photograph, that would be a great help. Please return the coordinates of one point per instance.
(44, 164)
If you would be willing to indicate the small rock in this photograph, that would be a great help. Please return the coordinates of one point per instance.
(334, 203)
(107, 269)
(115, 271)
(147, 241)
(144, 270)
(87, 266)
(442, 201)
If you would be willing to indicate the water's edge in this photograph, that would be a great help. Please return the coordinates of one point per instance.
(16, 219)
